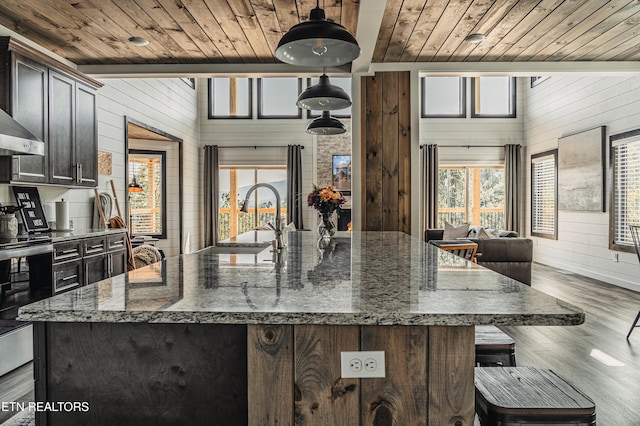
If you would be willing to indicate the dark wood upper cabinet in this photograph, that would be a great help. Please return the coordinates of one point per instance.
(29, 107)
(61, 129)
(86, 144)
(58, 105)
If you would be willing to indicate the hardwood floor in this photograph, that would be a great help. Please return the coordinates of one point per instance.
(580, 353)
(569, 351)
(16, 386)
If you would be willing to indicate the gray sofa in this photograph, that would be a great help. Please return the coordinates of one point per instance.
(508, 255)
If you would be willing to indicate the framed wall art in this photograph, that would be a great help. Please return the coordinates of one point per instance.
(341, 173)
(581, 171)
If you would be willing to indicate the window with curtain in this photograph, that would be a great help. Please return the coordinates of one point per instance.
(233, 186)
(277, 97)
(443, 97)
(147, 207)
(229, 97)
(471, 194)
(544, 189)
(625, 161)
(493, 96)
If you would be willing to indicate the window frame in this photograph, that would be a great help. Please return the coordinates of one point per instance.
(256, 169)
(210, 102)
(262, 116)
(469, 169)
(551, 153)
(462, 99)
(163, 215)
(535, 80)
(513, 85)
(634, 135)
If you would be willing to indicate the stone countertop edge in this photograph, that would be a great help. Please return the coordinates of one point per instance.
(302, 318)
(62, 236)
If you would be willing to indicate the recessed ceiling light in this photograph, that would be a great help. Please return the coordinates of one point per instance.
(138, 41)
(475, 38)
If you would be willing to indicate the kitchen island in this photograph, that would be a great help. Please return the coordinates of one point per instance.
(241, 335)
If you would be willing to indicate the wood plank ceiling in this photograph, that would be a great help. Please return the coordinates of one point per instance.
(95, 32)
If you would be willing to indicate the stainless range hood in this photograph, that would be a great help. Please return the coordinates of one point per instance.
(16, 140)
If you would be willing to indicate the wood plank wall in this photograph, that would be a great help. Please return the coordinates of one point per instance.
(295, 376)
(386, 143)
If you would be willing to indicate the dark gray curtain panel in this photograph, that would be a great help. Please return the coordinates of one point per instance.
(512, 175)
(295, 198)
(429, 178)
(211, 200)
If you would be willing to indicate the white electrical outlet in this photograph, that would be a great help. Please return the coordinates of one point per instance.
(362, 364)
(615, 257)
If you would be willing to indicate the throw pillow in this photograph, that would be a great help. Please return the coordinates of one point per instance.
(473, 231)
(508, 234)
(485, 234)
(451, 232)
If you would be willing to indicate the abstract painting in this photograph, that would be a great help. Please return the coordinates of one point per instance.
(581, 171)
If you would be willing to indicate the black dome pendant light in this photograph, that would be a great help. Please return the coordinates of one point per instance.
(317, 42)
(323, 96)
(326, 125)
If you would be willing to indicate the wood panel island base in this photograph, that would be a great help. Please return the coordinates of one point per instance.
(204, 374)
(255, 339)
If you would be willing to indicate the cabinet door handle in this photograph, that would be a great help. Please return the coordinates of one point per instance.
(96, 246)
(68, 251)
(70, 277)
(110, 262)
(78, 173)
(81, 177)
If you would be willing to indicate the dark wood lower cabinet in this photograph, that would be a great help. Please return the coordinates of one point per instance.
(67, 276)
(257, 375)
(142, 374)
(118, 262)
(94, 268)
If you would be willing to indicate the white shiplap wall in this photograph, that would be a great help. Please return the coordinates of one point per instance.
(254, 132)
(567, 104)
(169, 105)
(166, 104)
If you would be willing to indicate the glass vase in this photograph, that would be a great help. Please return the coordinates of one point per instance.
(326, 228)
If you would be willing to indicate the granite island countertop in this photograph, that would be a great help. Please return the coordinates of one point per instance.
(363, 278)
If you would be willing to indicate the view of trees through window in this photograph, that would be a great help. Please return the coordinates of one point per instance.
(471, 194)
(234, 184)
(146, 206)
